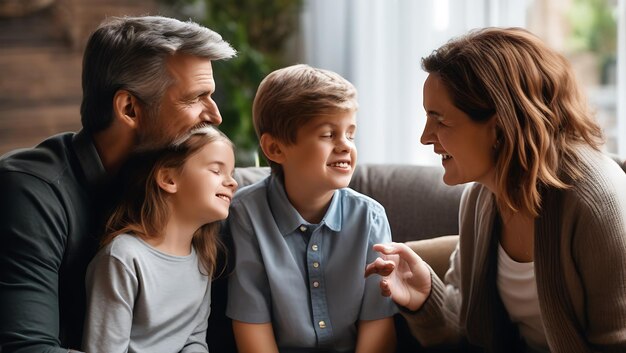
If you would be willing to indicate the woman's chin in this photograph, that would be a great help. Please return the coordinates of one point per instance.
(450, 179)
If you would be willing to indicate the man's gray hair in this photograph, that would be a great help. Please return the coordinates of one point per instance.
(131, 53)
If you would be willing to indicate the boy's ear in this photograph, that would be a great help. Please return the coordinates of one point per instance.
(272, 148)
(166, 180)
(126, 108)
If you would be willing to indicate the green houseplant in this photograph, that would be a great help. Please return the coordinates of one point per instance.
(594, 29)
(258, 30)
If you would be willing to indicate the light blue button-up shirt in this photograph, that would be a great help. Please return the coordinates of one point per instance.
(306, 279)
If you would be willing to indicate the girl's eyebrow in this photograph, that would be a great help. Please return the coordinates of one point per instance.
(218, 162)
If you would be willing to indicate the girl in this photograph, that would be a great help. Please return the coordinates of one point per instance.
(148, 288)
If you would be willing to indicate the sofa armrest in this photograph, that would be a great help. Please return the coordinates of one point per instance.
(436, 252)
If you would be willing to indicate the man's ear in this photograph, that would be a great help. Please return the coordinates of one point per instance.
(166, 179)
(272, 148)
(126, 108)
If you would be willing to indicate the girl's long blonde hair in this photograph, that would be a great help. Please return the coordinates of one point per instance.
(512, 76)
(143, 210)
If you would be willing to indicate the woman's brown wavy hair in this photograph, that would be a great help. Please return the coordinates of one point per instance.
(143, 210)
(531, 90)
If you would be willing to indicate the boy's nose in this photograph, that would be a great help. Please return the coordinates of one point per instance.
(344, 145)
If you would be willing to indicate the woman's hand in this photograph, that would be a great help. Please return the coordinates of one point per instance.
(406, 277)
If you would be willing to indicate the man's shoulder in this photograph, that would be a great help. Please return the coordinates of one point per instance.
(47, 161)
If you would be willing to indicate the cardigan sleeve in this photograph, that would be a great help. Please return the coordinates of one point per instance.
(600, 253)
(438, 320)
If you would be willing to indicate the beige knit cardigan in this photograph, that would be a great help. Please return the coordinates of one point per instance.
(580, 268)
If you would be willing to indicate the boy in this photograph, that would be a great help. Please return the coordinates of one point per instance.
(302, 238)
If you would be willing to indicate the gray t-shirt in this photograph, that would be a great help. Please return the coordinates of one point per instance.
(142, 300)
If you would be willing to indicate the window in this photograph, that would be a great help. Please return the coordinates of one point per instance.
(378, 46)
(586, 32)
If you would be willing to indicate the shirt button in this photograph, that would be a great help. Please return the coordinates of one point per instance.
(316, 264)
(303, 228)
(322, 324)
(316, 284)
(314, 247)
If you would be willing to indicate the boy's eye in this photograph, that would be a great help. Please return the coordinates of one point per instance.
(350, 136)
(215, 171)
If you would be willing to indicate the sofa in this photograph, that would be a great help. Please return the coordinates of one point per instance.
(422, 212)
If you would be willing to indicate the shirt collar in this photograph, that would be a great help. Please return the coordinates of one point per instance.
(289, 219)
(89, 159)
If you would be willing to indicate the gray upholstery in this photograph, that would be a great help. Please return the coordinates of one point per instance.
(418, 204)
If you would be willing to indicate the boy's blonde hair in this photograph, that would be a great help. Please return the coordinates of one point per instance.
(289, 97)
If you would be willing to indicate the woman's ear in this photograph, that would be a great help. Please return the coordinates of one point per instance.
(166, 179)
(272, 148)
(496, 132)
(126, 108)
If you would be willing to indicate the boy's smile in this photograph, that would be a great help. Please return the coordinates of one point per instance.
(322, 159)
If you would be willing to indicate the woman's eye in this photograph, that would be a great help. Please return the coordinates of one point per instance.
(215, 171)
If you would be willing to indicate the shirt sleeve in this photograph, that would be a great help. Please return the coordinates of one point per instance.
(375, 306)
(111, 291)
(248, 286)
(197, 341)
(33, 233)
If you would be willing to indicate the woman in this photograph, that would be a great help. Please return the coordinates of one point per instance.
(541, 261)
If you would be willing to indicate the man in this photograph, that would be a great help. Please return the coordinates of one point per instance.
(146, 81)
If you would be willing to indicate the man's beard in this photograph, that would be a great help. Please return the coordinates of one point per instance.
(155, 135)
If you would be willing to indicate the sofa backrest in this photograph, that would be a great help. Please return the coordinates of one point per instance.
(418, 204)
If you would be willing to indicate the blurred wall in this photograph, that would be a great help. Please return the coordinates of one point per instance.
(41, 46)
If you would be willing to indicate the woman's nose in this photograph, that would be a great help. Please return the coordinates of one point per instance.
(428, 135)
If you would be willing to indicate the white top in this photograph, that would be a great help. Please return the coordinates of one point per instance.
(518, 290)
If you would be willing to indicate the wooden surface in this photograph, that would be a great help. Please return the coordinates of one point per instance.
(40, 66)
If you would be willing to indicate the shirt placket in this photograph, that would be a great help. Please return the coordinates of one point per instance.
(317, 287)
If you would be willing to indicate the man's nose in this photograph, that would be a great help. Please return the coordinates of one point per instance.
(212, 114)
